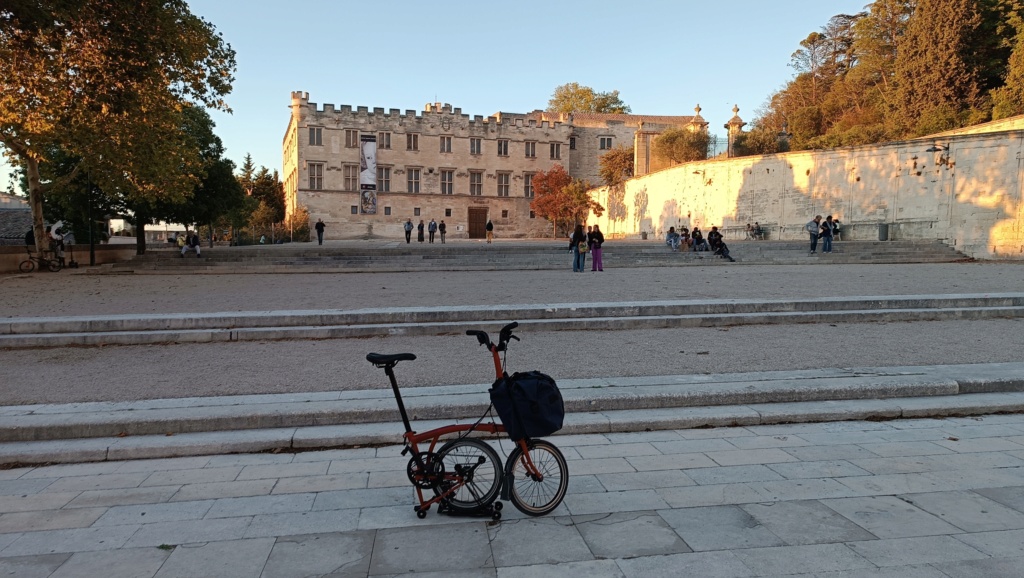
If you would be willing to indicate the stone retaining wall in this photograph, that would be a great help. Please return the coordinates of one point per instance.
(962, 189)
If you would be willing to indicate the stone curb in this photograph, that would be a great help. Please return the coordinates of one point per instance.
(297, 439)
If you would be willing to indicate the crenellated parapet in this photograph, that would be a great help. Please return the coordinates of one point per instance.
(435, 118)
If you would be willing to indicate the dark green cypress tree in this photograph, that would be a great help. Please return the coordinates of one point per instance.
(936, 88)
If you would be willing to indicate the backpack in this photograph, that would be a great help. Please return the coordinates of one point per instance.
(528, 404)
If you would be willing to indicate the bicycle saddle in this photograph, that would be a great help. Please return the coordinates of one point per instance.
(382, 359)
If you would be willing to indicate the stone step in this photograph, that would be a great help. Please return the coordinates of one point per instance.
(515, 255)
(335, 324)
(201, 426)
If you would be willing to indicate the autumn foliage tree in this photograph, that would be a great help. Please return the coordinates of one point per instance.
(106, 82)
(562, 200)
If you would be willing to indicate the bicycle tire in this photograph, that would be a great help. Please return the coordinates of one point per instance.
(532, 497)
(53, 265)
(481, 487)
(27, 266)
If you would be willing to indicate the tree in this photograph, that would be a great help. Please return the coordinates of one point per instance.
(574, 97)
(758, 141)
(561, 199)
(682, 145)
(105, 82)
(268, 189)
(616, 165)
(936, 87)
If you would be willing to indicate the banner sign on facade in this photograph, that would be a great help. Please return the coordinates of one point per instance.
(368, 174)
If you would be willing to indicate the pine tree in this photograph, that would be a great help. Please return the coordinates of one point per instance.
(936, 89)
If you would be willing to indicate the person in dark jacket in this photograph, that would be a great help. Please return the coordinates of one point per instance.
(490, 231)
(442, 228)
(419, 231)
(827, 229)
(718, 245)
(594, 240)
(320, 231)
(578, 248)
(191, 242)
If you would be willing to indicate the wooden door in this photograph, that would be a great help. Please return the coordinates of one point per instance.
(477, 222)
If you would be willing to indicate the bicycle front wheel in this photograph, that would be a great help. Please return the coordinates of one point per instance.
(473, 468)
(533, 495)
(53, 265)
(27, 266)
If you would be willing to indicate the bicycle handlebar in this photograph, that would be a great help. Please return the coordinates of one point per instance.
(504, 336)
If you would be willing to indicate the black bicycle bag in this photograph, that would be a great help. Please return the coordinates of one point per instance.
(528, 404)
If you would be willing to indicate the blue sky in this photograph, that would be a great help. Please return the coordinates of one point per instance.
(663, 56)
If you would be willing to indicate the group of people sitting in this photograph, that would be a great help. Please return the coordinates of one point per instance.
(755, 232)
(695, 241)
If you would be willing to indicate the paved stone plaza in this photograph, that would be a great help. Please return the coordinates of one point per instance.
(937, 497)
(927, 498)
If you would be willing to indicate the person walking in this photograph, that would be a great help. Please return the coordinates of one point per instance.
(490, 231)
(596, 239)
(578, 248)
(408, 231)
(320, 231)
(812, 228)
(442, 229)
(419, 231)
(827, 229)
(432, 228)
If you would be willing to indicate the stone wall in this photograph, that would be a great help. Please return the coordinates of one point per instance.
(966, 191)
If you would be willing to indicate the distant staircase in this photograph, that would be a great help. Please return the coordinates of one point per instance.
(525, 255)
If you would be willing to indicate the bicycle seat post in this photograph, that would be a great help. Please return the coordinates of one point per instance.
(389, 369)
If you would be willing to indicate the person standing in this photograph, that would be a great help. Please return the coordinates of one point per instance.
(490, 231)
(578, 248)
(596, 239)
(419, 231)
(442, 229)
(320, 231)
(812, 227)
(432, 228)
(408, 231)
(827, 228)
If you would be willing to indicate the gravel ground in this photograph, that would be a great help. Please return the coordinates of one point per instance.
(179, 370)
(57, 295)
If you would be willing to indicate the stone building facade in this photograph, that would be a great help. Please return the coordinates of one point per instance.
(442, 164)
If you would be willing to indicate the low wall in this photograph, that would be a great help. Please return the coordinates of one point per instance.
(11, 256)
(962, 189)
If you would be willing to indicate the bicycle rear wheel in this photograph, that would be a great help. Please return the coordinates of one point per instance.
(532, 496)
(53, 265)
(27, 266)
(475, 468)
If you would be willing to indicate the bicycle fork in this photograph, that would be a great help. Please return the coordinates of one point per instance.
(510, 466)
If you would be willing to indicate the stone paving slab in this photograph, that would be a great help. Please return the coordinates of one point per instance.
(833, 520)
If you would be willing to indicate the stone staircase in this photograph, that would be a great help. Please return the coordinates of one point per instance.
(511, 255)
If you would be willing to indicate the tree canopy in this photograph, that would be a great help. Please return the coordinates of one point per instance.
(682, 145)
(574, 97)
(616, 165)
(900, 69)
(108, 83)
